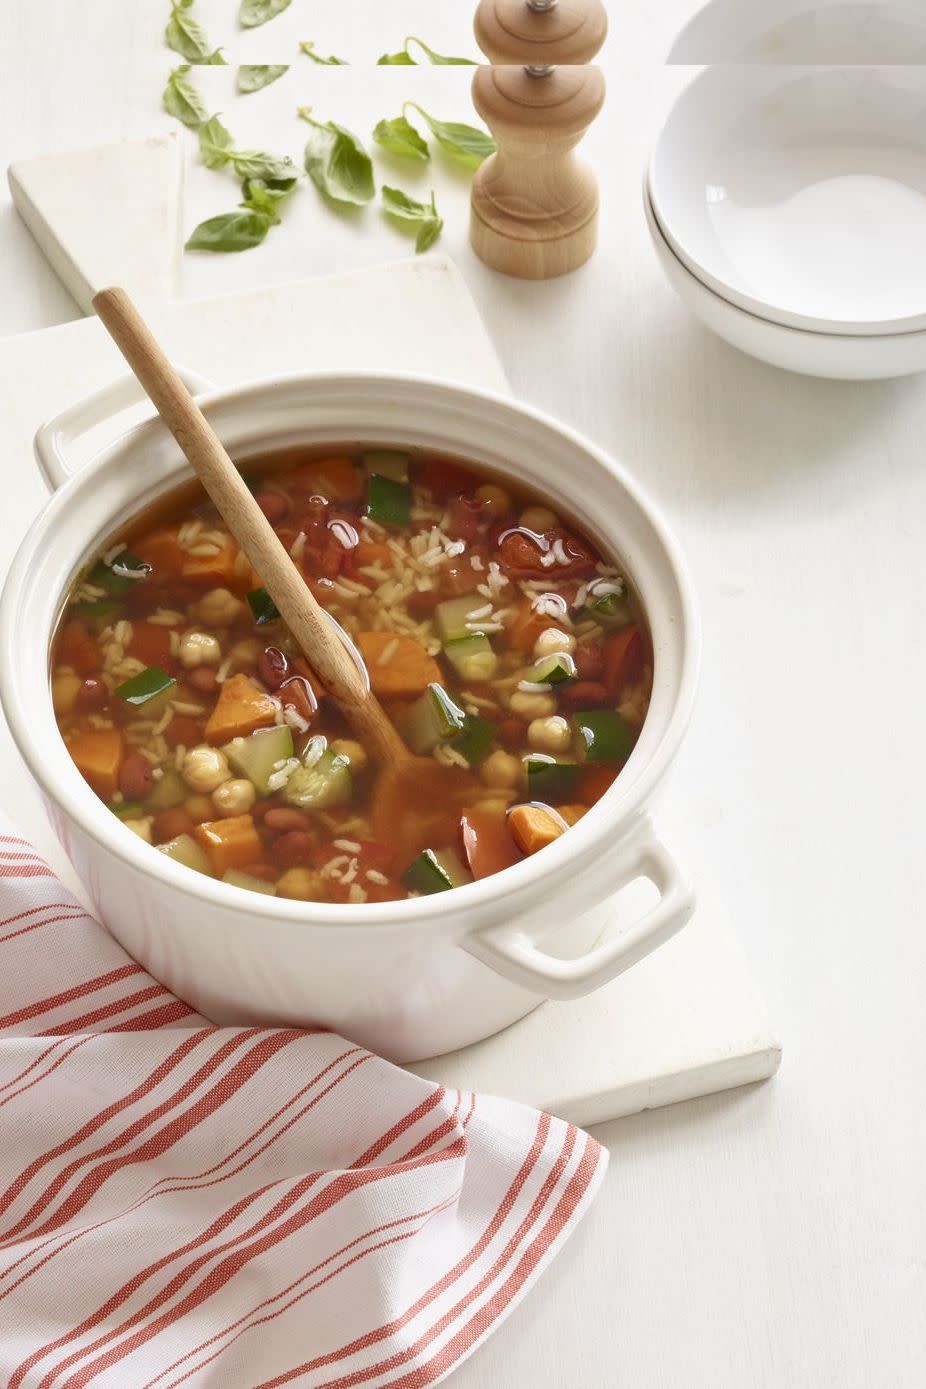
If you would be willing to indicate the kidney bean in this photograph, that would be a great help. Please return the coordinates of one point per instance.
(262, 808)
(589, 661)
(170, 823)
(291, 849)
(273, 666)
(273, 504)
(297, 692)
(92, 697)
(585, 694)
(136, 777)
(281, 819)
(203, 680)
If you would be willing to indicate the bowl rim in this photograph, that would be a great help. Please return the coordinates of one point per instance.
(617, 810)
(780, 78)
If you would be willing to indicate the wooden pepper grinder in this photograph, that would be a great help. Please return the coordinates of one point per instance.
(534, 204)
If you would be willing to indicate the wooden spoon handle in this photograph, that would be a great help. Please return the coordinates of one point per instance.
(303, 615)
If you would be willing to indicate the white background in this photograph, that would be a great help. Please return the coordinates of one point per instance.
(766, 1238)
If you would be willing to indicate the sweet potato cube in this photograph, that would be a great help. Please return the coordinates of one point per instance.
(161, 551)
(533, 828)
(97, 755)
(242, 708)
(231, 843)
(407, 669)
(216, 570)
(527, 626)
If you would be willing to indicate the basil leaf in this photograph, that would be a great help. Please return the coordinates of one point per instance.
(258, 196)
(255, 12)
(188, 38)
(253, 76)
(215, 144)
(423, 218)
(308, 48)
(337, 163)
(400, 137)
(464, 143)
(401, 59)
(439, 57)
(181, 99)
(230, 231)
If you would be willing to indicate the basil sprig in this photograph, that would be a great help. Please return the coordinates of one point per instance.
(308, 48)
(186, 36)
(404, 58)
(400, 137)
(217, 151)
(247, 226)
(253, 76)
(422, 218)
(464, 143)
(253, 13)
(337, 163)
(181, 99)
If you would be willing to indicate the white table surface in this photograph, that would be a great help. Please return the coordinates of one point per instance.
(775, 1237)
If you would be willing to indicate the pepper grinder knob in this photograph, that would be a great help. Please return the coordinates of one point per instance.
(534, 204)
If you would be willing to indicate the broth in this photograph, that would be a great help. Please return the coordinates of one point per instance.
(499, 639)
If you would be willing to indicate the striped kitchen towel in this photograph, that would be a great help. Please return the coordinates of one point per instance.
(240, 1206)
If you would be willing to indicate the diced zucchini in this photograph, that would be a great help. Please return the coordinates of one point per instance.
(475, 740)
(452, 616)
(145, 686)
(97, 614)
(255, 757)
(387, 463)
(604, 735)
(184, 849)
(247, 880)
(388, 502)
(553, 670)
(611, 610)
(432, 719)
(472, 656)
(436, 872)
(167, 792)
(550, 781)
(325, 784)
(127, 810)
(262, 606)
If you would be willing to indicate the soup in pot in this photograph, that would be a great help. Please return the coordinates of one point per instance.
(499, 639)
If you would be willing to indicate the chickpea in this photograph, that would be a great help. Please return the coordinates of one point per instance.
(198, 808)
(495, 500)
(538, 519)
(141, 827)
(500, 769)
(302, 885)
(234, 797)
(204, 768)
(355, 752)
(552, 640)
(64, 690)
(218, 608)
(552, 734)
(532, 706)
(199, 649)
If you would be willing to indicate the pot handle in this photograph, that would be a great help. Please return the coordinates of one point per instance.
(53, 439)
(511, 953)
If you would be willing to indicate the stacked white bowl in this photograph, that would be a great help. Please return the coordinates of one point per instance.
(787, 207)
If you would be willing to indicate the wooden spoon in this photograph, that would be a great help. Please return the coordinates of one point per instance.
(412, 793)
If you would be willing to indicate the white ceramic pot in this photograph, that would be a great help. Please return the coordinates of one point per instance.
(409, 979)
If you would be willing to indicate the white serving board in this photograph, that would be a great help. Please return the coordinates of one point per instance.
(687, 1021)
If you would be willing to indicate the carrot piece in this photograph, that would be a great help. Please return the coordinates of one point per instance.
(230, 843)
(623, 659)
(595, 780)
(409, 669)
(533, 828)
(98, 757)
(334, 478)
(161, 551)
(241, 709)
(213, 570)
(572, 814)
(371, 552)
(150, 644)
(527, 626)
(487, 843)
(77, 648)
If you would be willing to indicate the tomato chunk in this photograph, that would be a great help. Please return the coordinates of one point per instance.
(487, 843)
